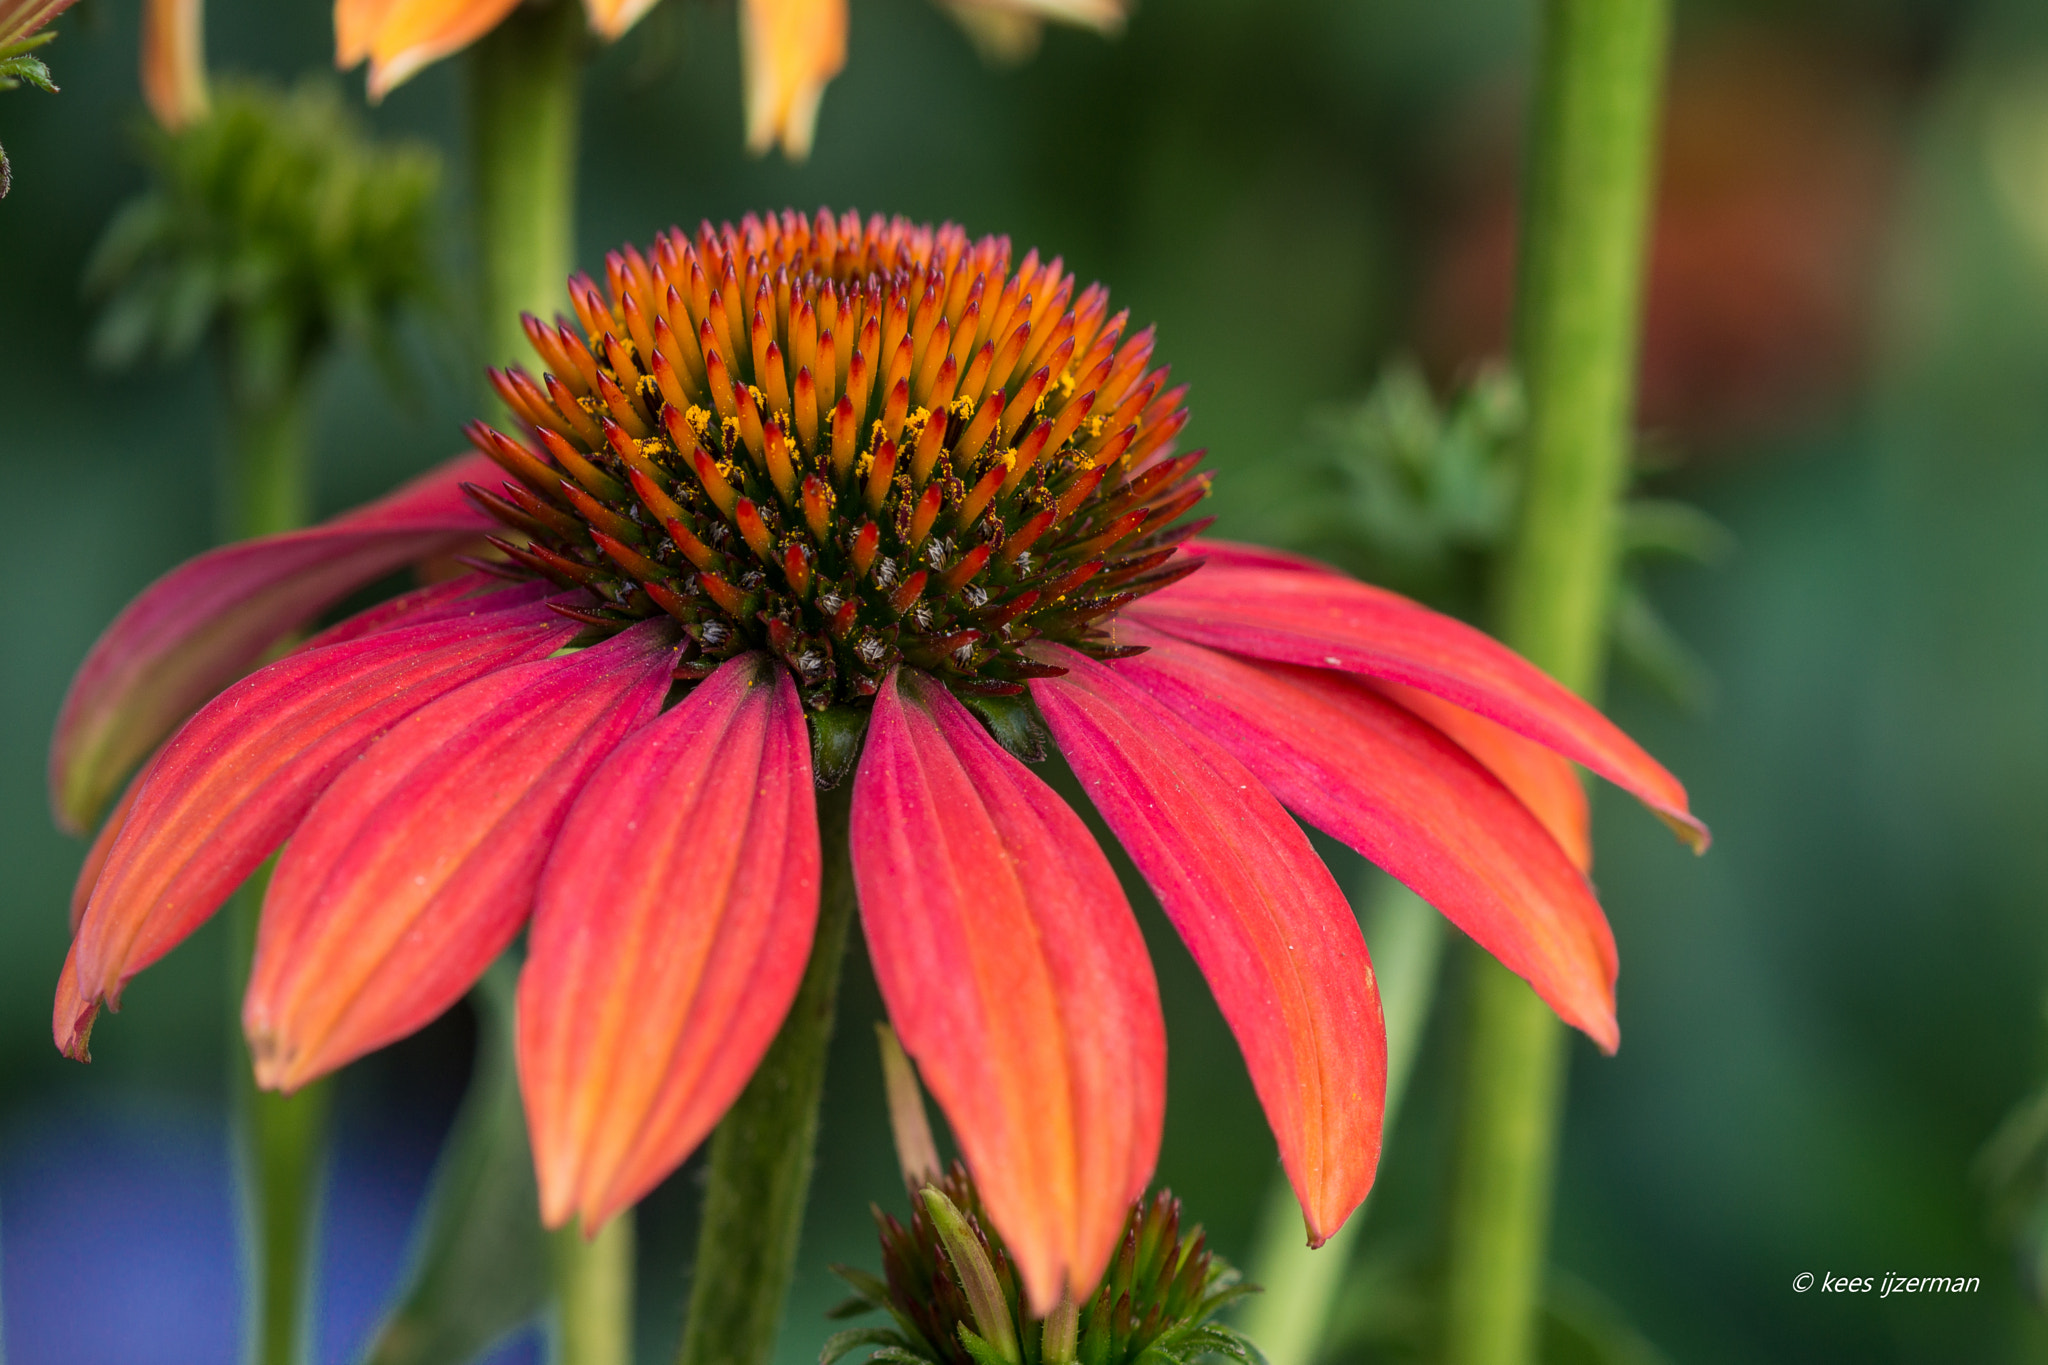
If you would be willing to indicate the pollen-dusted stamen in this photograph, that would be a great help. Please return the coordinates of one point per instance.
(854, 443)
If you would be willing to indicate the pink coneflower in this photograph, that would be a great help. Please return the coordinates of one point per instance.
(796, 500)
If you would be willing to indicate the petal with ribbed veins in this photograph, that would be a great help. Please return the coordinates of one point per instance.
(1262, 916)
(1390, 785)
(236, 780)
(670, 934)
(203, 624)
(1323, 621)
(418, 865)
(1016, 977)
(1546, 781)
(434, 602)
(103, 844)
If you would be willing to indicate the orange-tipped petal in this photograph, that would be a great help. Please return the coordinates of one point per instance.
(102, 844)
(609, 19)
(355, 27)
(1016, 977)
(1545, 781)
(72, 1016)
(418, 865)
(22, 18)
(789, 50)
(234, 783)
(669, 937)
(400, 37)
(1324, 621)
(201, 626)
(1393, 787)
(174, 61)
(1262, 916)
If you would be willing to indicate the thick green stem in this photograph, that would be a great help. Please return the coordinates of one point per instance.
(593, 1321)
(1301, 1287)
(525, 86)
(280, 1140)
(761, 1155)
(266, 481)
(1585, 213)
(281, 1145)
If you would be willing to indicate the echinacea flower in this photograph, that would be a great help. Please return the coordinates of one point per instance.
(793, 500)
(789, 49)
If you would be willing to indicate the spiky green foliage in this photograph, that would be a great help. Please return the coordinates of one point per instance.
(1419, 495)
(1154, 1306)
(275, 226)
(20, 22)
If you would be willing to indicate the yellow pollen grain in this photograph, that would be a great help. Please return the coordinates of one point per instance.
(698, 419)
(648, 388)
(590, 405)
(962, 407)
(730, 429)
(653, 445)
(862, 465)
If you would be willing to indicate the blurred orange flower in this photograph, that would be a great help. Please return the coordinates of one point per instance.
(790, 48)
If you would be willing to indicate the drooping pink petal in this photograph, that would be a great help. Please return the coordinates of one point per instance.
(1546, 782)
(1323, 621)
(1016, 977)
(418, 865)
(433, 602)
(1236, 554)
(670, 934)
(236, 780)
(103, 844)
(1265, 921)
(201, 626)
(1356, 765)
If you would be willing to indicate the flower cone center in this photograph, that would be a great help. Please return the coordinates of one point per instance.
(851, 443)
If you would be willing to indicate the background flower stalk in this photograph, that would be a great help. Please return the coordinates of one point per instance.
(1585, 215)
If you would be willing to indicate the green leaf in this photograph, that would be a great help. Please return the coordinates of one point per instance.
(839, 1343)
(868, 1287)
(1653, 651)
(22, 69)
(1677, 530)
(1013, 721)
(896, 1355)
(480, 1261)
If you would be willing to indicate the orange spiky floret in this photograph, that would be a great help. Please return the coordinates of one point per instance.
(853, 442)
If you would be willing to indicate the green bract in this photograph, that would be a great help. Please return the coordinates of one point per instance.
(1154, 1306)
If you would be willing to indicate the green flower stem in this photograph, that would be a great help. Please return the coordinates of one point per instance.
(280, 1143)
(1584, 224)
(280, 1140)
(1301, 1287)
(593, 1322)
(525, 86)
(266, 484)
(761, 1155)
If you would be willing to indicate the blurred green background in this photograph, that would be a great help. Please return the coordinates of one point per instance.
(1847, 365)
